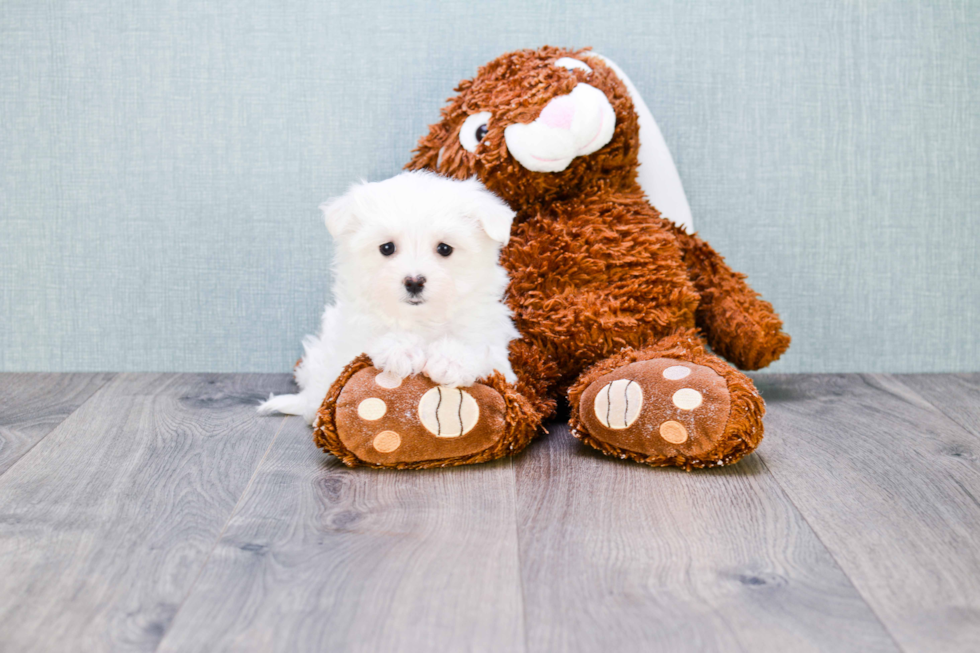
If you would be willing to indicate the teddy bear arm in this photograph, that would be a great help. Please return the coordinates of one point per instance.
(738, 324)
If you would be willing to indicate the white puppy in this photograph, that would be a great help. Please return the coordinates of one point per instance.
(417, 287)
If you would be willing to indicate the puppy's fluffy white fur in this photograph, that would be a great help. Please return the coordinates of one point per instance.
(455, 331)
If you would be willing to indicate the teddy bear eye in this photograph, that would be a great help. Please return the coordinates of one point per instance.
(473, 130)
(387, 249)
(572, 64)
(444, 249)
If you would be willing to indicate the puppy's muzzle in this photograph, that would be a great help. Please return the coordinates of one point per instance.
(414, 285)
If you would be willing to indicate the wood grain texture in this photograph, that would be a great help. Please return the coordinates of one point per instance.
(162, 514)
(320, 557)
(891, 486)
(31, 405)
(106, 522)
(956, 395)
(621, 557)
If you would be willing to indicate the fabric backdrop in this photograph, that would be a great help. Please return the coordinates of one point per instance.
(161, 162)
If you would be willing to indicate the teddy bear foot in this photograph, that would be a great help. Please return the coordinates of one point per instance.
(368, 420)
(670, 412)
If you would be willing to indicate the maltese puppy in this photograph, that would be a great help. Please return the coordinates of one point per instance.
(418, 287)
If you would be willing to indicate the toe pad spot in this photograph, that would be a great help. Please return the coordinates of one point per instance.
(387, 382)
(387, 441)
(676, 372)
(687, 399)
(673, 432)
(372, 409)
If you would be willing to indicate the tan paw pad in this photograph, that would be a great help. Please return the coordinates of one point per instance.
(661, 407)
(448, 412)
(417, 421)
(618, 404)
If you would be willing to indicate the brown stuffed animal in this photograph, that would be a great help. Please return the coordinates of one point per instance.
(615, 304)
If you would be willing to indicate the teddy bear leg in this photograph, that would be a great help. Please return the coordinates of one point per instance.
(416, 424)
(672, 404)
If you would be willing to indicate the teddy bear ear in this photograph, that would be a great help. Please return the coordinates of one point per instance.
(657, 174)
(339, 215)
(492, 212)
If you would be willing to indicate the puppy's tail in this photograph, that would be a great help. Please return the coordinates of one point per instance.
(285, 404)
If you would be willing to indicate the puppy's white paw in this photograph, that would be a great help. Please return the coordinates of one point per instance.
(453, 363)
(449, 372)
(398, 355)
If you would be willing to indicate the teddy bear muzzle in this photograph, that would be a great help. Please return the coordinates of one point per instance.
(576, 124)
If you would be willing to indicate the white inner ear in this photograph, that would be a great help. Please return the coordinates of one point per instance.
(571, 64)
(657, 175)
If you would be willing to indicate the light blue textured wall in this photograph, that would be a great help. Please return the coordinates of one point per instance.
(161, 162)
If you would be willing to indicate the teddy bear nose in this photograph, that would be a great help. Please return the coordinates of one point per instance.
(559, 113)
(414, 285)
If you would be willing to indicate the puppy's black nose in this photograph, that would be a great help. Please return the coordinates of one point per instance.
(414, 285)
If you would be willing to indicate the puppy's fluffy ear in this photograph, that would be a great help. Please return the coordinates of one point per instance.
(339, 215)
(492, 212)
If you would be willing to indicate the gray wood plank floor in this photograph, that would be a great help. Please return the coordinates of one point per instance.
(620, 557)
(889, 483)
(148, 512)
(33, 404)
(321, 557)
(106, 523)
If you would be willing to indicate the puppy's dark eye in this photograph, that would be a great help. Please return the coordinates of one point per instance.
(481, 131)
(387, 249)
(444, 249)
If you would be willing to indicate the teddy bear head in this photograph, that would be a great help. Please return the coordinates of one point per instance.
(537, 125)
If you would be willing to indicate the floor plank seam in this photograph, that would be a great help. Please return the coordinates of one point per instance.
(224, 528)
(520, 562)
(830, 552)
(938, 408)
(112, 377)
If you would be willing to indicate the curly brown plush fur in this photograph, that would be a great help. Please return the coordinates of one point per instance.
(598, 277)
